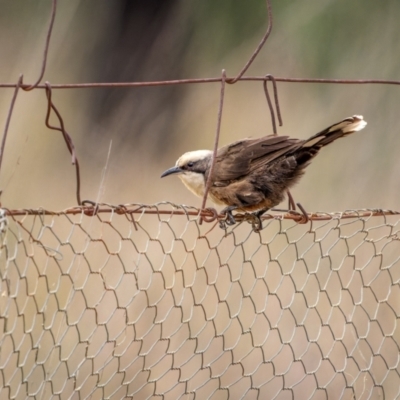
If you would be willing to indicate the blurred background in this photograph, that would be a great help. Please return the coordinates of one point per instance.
(91, 302)
(144, 130)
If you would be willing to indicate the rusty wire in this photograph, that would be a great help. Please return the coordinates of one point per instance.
(102, 85)
(66, 136)
(276, 99)
(259, 47)
(208, 215)
(46, 48)
(217, 133)
(8, 120)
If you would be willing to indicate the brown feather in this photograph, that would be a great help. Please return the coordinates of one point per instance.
(245, 156)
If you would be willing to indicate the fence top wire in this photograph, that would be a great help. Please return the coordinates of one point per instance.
(209, 215)
(228, 80)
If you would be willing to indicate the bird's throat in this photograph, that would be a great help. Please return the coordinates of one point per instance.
(194, 181)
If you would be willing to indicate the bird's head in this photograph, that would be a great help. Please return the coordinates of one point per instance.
(191, 168)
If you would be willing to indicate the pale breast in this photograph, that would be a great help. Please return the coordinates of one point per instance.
(194, 182)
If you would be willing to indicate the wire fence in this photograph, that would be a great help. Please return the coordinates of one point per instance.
(141, 301)
(101, 307)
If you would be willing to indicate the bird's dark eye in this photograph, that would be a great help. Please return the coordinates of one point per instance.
(190, 164)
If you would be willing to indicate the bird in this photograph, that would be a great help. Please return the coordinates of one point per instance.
(253, 175)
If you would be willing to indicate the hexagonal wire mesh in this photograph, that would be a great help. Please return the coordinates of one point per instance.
(106, 307)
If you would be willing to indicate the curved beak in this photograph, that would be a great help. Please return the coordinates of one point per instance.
(173, 170)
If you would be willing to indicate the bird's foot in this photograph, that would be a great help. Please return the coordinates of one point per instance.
(255, 220)
(229, 218)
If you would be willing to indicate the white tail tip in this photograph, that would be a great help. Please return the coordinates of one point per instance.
(357, 124)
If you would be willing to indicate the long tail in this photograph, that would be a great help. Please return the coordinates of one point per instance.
(311, 146)
(342, 128)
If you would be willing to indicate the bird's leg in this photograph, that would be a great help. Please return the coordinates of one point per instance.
(292, 204)
(229, 218)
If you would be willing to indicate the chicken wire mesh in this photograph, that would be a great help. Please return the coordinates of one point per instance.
(152, 304)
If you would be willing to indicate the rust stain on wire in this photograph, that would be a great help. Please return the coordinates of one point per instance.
(66, 136)
(221, 106)
(46, 48)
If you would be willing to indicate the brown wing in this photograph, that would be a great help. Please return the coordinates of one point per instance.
(245, 156)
